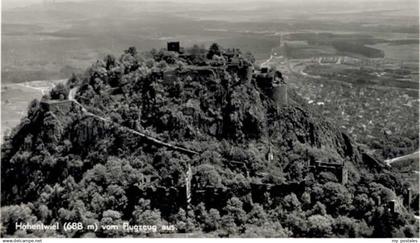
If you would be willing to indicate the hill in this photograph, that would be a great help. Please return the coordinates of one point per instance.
(120, 144)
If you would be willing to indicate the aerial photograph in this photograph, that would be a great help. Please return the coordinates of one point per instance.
(210, 119)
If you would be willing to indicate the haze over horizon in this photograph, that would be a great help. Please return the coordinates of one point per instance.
(10, 4)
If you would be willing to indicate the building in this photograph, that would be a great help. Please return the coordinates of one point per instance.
(338, 169)
(174, 46)
(272, 83)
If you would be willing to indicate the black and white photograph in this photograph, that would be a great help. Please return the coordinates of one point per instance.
(249, 119)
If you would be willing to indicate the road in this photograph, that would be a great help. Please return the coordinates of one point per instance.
(267, 61)
(414, 155)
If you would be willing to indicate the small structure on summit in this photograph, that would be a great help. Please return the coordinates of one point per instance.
(174, 46)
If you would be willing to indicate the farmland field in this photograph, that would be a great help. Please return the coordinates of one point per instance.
(400, 52)
(15, 99)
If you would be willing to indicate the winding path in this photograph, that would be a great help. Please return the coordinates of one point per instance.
(267, 61)
(414, 155)
(71, 96)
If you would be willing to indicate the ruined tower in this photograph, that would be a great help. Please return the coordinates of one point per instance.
(245, 72)
(249, 72)
(279, 89)
(273, 85)
(344, 175)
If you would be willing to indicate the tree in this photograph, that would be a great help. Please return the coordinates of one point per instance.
(228, 224)
(109, 218)
(97, 70)
(297, 222)
(214, 50)
(169, 57)
(336, 198)
(162, 65)
(350, 228)
(59, 92)
(132, 50)
(52, 130)
(379, 191)
(388, 224)
(212, 222)
(150, 63)
(10, 215)
(257, 215)
(362, 204)
(319, 208)
(320, 226)
(306, 199)
(33, 107)
(197, 51)
(184, 223)
(144, 215)
(296, 170)
(291, 202)
(249, 57)
(110, 62)
(116, 198)
(234, 209)
(207, 175)
(129, 63)
(44, 213)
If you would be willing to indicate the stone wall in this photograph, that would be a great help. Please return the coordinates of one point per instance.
(280, 94)
(60, 108)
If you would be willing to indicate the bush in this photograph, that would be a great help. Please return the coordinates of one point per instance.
(59, 92)
(320, 226)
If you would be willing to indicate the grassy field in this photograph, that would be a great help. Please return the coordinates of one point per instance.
(409, 53)
(15, 99)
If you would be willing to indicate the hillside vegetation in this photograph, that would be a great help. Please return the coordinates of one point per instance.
(258, 168)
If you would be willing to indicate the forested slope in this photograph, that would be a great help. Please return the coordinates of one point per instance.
(259, 168)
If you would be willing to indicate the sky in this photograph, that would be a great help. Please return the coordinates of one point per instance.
(8, 4)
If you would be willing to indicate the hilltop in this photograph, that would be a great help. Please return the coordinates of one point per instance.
(115, 145)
